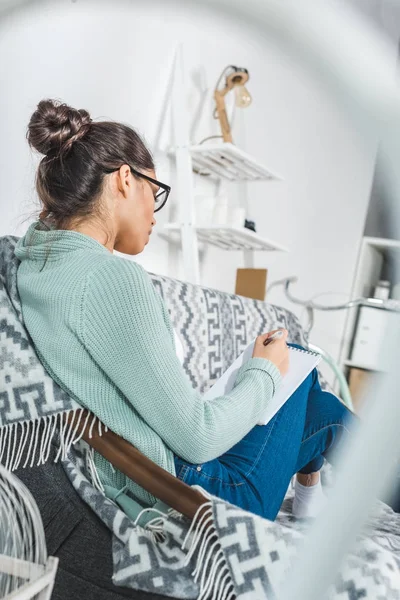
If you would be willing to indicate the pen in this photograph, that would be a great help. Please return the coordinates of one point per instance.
(275, 336)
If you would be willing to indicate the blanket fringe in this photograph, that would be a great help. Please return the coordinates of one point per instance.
(28, 443)
(212, 571)
(92, 471)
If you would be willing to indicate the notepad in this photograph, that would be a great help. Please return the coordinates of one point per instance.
(301, 363)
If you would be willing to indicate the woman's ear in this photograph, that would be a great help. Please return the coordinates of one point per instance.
(125, 179)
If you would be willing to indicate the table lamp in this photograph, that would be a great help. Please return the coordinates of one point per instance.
(235, 78)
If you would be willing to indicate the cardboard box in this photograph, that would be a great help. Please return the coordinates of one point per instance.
(251, 283)
(358, 381)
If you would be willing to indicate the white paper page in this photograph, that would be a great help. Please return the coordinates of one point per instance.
(300, 366)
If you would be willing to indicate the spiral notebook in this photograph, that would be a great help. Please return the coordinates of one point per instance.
(301, 363)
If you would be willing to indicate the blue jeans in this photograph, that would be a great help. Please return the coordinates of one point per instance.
(256, 472)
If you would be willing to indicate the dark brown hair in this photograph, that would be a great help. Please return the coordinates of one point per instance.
(78, 152)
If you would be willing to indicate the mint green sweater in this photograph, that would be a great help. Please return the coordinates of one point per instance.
(104, 334)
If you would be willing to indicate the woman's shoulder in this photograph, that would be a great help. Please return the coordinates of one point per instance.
(114, 272)
(115, 287)
(117, 264)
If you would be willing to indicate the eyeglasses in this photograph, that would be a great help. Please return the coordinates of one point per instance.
(161, 197)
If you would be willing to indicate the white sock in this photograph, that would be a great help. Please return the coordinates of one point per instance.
(308, 499)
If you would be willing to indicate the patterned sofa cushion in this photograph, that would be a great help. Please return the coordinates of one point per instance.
(215, 327)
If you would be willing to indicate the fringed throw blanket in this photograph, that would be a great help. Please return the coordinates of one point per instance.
(32, 405)
(224, 553)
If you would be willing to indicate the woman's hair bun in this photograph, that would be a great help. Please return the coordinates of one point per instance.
(55, 126)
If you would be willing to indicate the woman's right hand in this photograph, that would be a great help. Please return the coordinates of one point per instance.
(276, 351)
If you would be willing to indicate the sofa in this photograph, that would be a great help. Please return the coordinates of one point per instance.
(213, 327)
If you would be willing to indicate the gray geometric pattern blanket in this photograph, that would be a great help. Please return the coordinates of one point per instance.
(229, 553)
(224, 553)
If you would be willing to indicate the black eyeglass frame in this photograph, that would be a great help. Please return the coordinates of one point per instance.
(166, 188)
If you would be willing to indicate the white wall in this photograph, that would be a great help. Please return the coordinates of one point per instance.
(114, 58)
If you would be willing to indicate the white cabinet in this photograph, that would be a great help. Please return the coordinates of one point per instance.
(371, 328)
(366, 326)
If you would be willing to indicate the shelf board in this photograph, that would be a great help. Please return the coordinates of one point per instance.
(354, 365)
(224, 237)
(226, 161)
(382, 243)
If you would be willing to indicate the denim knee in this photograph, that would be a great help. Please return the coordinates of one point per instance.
(328, 405)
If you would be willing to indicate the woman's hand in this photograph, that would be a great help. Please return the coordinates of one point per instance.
(276, 351)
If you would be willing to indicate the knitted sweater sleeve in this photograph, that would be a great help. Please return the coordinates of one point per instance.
(125, 332)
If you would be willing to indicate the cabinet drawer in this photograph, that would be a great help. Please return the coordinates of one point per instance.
(372, 326)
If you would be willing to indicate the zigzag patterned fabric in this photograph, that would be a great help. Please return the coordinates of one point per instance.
(227, 553)
(238, 555)
(215, 327)
(32, 405)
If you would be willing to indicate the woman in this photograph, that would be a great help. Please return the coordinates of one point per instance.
(104, 333)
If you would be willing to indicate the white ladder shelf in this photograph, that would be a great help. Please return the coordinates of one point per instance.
(218, 161)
